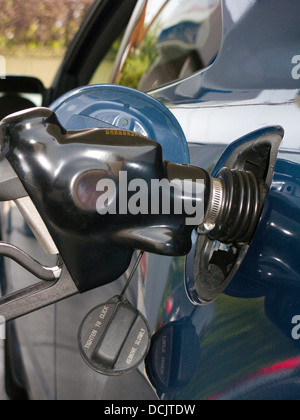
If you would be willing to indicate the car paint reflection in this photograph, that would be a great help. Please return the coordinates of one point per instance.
(244, 338)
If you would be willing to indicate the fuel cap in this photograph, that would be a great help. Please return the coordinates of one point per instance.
(114, 338)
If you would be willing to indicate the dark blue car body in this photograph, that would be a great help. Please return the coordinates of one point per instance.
(245, 344)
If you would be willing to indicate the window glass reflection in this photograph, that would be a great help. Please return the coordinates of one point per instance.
(172, 39)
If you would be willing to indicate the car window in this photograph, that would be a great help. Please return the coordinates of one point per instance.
(171, 40)
(34, 35)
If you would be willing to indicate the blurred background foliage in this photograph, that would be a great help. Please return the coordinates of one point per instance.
(47, 23)
(35, 34)
(139, 61)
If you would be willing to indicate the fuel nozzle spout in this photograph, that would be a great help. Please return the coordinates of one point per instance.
(232, 201)
(234, 207)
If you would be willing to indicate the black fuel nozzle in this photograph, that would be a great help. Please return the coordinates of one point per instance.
(104, 193)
